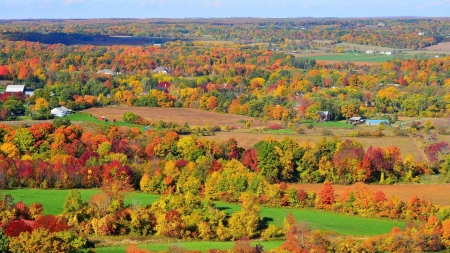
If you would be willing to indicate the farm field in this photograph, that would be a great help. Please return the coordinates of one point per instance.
(248, 139)
(203, 246)
(437, 193)
(353, 57)
(53, 200)
(194, 117)
(86, 117)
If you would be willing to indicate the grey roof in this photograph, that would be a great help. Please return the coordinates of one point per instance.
(15, 88)
(108, 72)
(61, 109)
(161, 70)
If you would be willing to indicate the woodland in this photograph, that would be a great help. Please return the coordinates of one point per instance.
(229, 66)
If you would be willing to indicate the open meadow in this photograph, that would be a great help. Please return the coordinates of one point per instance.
(53, 200)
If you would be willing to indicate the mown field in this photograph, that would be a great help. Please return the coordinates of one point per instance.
(353, 57)
(88, 117)
(202, 245)
(53, 201)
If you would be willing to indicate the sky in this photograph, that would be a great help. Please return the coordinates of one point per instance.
(67, 9)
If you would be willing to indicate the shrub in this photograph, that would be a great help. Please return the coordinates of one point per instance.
(61, 122)
(400, 132)
(326, 132)
(274, 127)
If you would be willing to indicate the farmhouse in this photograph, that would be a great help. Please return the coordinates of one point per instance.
(376, 122)
(19, 89)
(60, 111)
(108, 72)
(356, 120)
(162, 70)
(325, 116)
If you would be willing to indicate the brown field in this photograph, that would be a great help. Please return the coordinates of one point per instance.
(438, 194)
(193, 117)
(443, 46)
(248, 139)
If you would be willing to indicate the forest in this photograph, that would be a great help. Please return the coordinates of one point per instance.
(226, 66)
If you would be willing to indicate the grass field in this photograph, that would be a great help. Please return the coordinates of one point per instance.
(326, 221)
(203, 246)
(353, 57)
(86, 117)
(53, 201)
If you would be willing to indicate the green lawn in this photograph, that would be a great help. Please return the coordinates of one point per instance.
(86, 117)
(356, 57)
(53, 201)
(328, 124)
(280, 131)
(203, 246)
(327, 221)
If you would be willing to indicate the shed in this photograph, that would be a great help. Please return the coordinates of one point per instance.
(376, 122)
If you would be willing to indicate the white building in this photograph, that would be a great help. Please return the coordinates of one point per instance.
(60, 111)
(15, 88)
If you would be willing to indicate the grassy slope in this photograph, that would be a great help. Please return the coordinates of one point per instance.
(355, 57)
(327, 221)
(53, 201)
(204, 246)
(85, 117)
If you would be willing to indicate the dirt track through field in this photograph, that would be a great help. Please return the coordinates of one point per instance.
(438, 194)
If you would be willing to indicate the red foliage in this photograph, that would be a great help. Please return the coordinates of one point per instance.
(326, 195)
(243, 246)
(42, 130)
(250, 159)
(51, 223)
(433, 151)
(181, 163)
(274, 126)
(174, 224)
(16, 227)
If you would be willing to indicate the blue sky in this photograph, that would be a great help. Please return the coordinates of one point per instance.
(20, 9)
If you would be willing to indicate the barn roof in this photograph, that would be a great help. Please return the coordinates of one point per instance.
(15, 88)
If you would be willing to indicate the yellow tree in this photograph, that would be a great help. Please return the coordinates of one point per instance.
(41, 103)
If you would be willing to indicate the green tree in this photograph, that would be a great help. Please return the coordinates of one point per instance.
(24, 139)
(4, 242)
(73, 202)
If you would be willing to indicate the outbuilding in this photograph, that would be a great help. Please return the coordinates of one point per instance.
(376, 122)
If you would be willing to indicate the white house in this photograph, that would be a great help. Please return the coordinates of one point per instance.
(60, 111)
(162, 70)
(108, 72)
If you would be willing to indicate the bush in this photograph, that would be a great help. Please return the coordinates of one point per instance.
(61, 122)
(326, 132)
(400, 132)
(275, 127)
(130, 117)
